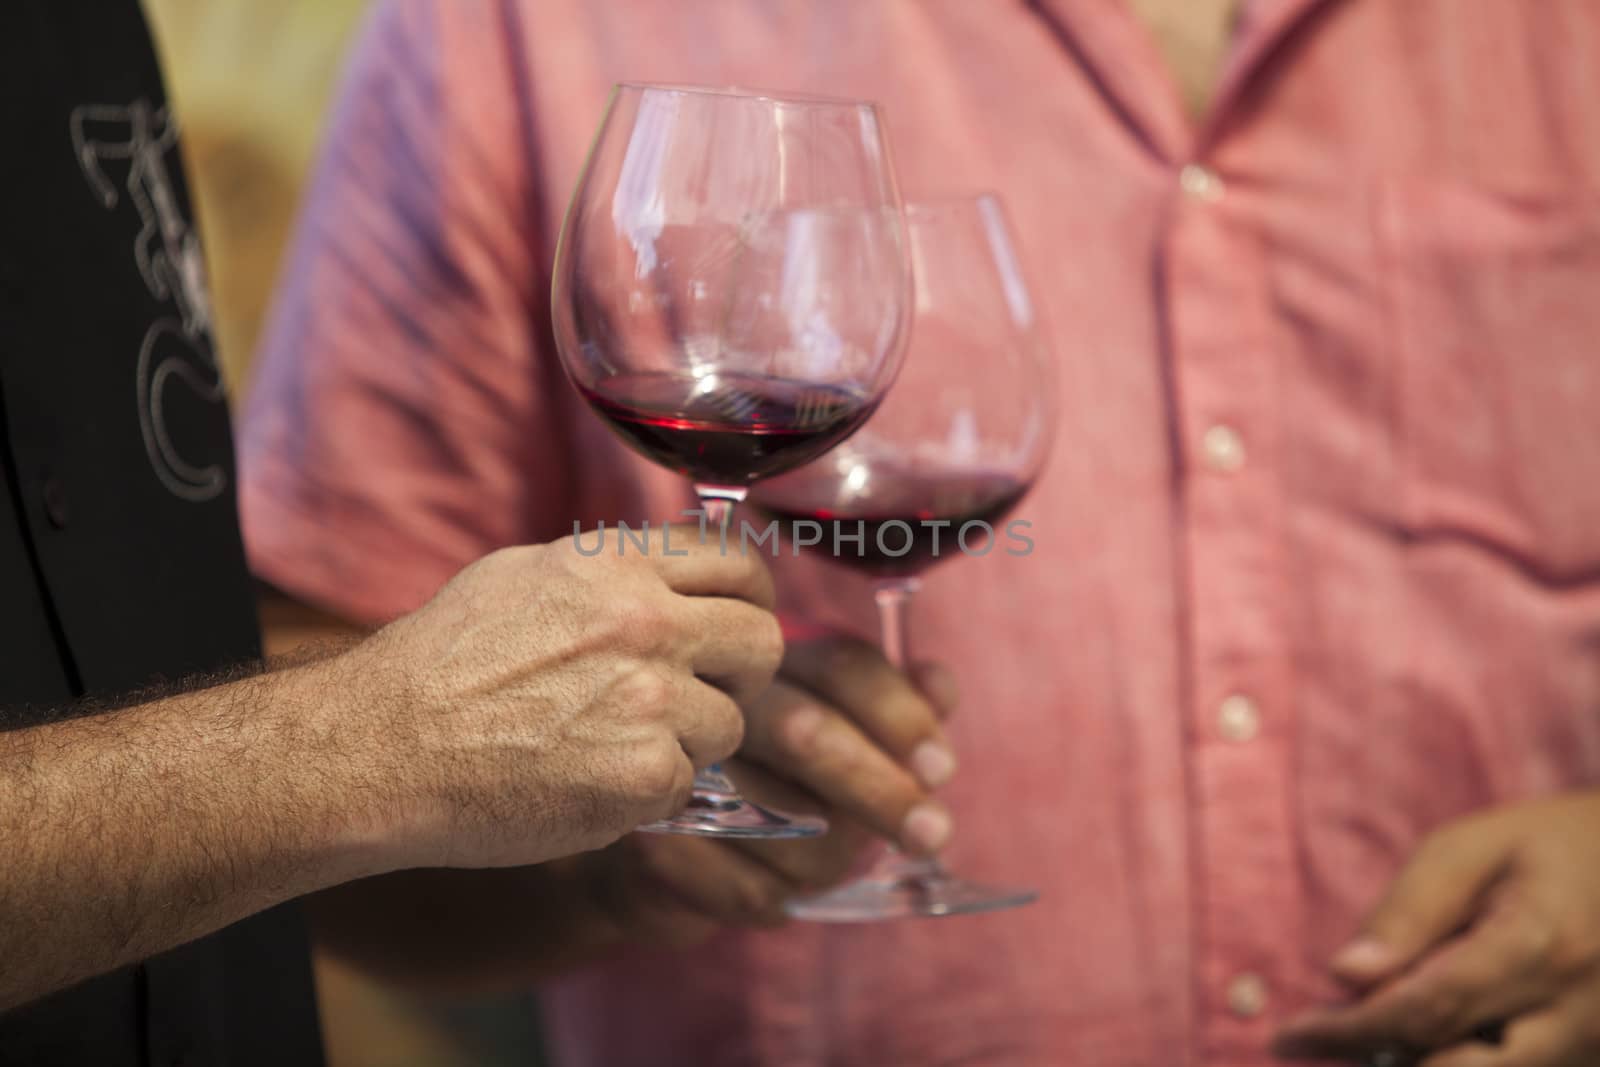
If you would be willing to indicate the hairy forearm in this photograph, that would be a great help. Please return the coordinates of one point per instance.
(132, 831)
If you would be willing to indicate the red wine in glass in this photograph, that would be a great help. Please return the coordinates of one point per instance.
(917, 523)
(962, 435)
(727, 428)
(892, 518)
(732, 293)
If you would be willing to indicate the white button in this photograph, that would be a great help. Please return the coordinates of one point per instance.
(1223, 448)
(1238, 718)
(1201, 183)
(1247, 996)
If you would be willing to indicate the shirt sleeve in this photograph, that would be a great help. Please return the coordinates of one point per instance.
(405, 417)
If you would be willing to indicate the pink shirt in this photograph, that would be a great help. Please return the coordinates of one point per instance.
(1318, 559)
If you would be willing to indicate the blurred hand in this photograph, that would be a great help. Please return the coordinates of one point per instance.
(547, 702)
(840, 733)
(1493, 927)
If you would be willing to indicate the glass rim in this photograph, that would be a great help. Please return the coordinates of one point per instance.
(776, 96)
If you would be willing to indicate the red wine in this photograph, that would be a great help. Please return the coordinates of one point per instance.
(728, 429)
(909, 502)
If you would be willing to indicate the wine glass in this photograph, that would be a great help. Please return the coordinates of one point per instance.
(954, 448)
(732, 294)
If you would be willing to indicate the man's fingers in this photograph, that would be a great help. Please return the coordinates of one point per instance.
(710, 722)
(1341, 1033)
(1494, 973)
(1545, 1039)
(814, 864)
(807, 865)
(1498, 971)
(800, 738)
(711, 879)
(769, 790)
(734, 645)
(854, 677)
(705, 569)
(1433, 898)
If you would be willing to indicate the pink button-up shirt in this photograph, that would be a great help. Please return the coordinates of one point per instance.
(1318, 559)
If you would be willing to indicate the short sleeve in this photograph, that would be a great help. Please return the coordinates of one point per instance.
(404, 419)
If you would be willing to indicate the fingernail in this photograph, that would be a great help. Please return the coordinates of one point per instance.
(933, 763)
(1363, 956)
(926, 829)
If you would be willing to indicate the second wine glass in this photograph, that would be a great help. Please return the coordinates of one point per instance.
(954, 448)
(731, 294)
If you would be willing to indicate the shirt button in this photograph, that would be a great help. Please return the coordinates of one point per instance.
(1247, 995)
(1201, 183)
(1223, 449)
(1238, 718)
(55, 502)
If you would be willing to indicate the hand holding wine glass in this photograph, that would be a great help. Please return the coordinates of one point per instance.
(732, 291)
(839, 732)
(932, 476)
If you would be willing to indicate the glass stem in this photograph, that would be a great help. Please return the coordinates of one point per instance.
(893, 596)
(894, 599)
(718, 502)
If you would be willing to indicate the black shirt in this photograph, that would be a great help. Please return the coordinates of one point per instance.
(120, 558)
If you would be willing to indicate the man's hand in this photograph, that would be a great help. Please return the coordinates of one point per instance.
(840, 733)
(1493, 929)
(546, 702)
(543, 703)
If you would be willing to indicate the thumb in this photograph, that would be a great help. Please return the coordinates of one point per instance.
(1435, 896)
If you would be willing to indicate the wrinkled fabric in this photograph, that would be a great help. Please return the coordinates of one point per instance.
(1385, 285)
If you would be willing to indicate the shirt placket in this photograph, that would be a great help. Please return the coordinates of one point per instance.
(1239, 708)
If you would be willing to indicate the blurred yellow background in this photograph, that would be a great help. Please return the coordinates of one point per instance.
(251, 81)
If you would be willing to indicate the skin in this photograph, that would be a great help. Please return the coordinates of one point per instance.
(839, 732)
(542, 704)
(1485, 952)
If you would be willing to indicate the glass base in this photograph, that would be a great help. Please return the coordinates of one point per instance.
(717, 810)
(901, 888)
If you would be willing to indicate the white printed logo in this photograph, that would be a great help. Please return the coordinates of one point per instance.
(168, 254)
